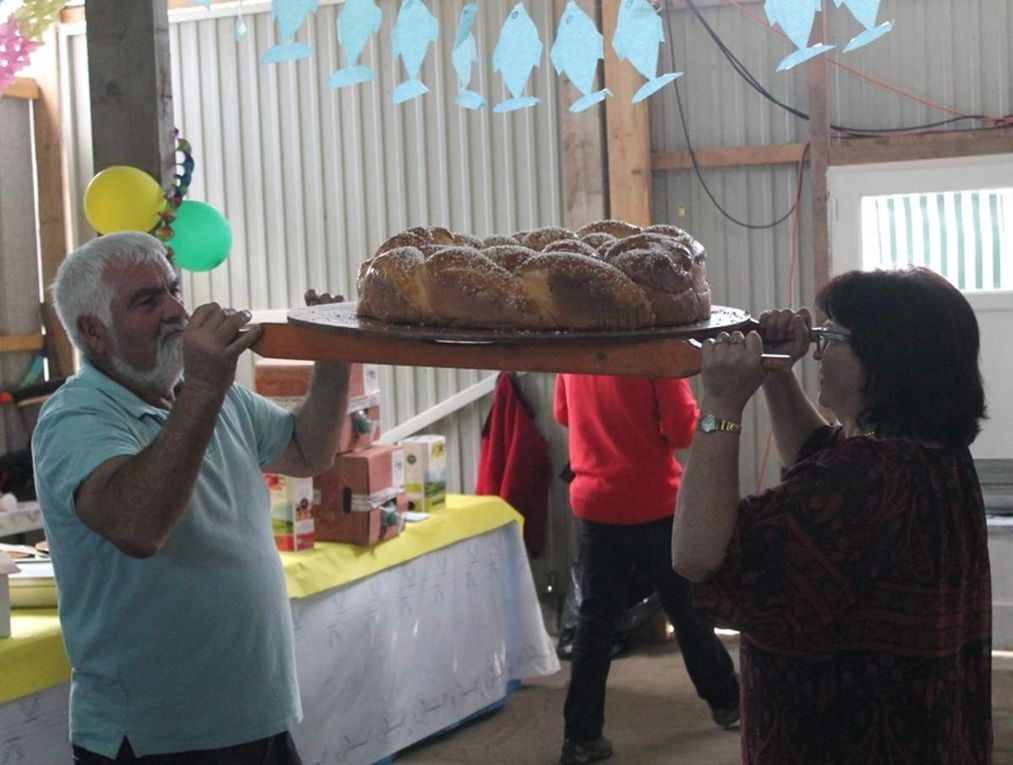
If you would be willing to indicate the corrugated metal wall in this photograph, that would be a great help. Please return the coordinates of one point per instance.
(312, 180)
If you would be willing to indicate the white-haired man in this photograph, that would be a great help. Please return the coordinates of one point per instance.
(149, 468)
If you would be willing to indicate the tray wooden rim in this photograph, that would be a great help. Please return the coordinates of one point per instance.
(341, 318)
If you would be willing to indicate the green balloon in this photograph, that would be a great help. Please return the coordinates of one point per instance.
(201, 237)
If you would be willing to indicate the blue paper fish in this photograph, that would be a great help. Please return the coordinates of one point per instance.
(637, 39)
(358, 21)
(240, 22)
(517, 53)
(465, 55)
(414, 31)
(290, 15)
(865, 11)
(796, 17)
(578, 48)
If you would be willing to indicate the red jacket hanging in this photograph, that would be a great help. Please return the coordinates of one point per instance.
(514, 461)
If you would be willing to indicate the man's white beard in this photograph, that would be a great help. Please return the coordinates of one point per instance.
(168, 364)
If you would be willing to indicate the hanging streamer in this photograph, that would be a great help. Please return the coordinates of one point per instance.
(174, 198)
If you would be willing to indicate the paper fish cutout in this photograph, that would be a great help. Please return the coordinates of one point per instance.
(465, 56)
(578, 48)
(290, 15)
(35, 17)
(865, 12)
(637, 39)
(414, 31)
(358, 21)
(517, 53)
(796, 17)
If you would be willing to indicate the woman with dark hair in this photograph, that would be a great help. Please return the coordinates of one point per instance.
(861, 582)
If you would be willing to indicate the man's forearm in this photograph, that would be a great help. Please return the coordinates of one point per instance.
(320, 417)
(136, 502)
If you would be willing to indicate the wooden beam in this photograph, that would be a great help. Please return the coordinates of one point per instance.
(22, 87)
(731, 156)
(819, 155)
(628, 133)
(585, 174)
(77, 12)
(936, 145)
(53, 198)
(131, 86)
(15, 343)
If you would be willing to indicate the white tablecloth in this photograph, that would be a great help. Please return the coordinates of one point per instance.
(383, 662)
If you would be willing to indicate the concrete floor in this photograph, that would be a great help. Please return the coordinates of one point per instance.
(652, 716)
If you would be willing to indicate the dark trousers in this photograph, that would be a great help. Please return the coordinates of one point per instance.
(609, 553)
(274, 750)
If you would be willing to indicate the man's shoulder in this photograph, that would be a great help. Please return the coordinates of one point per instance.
(78, 391)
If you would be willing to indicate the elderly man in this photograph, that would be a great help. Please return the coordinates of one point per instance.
(149, 468)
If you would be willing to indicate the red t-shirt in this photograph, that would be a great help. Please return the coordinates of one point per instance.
(623, 433)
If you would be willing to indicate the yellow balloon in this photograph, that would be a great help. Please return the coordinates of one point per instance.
(123, 198)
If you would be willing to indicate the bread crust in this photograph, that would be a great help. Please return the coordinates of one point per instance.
(609, 275)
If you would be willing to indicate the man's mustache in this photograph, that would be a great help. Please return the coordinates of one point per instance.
(176, 325)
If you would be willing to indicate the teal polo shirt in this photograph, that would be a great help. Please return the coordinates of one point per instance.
(192, 648)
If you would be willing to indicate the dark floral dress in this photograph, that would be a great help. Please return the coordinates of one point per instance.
(861, 588)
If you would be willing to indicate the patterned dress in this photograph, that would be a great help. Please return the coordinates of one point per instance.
(861, 588)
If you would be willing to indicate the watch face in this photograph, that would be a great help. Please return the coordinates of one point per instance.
(708, 424)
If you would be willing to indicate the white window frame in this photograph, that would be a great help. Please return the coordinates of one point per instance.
(849, 183)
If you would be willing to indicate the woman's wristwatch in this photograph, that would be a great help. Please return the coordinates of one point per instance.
(711, 424)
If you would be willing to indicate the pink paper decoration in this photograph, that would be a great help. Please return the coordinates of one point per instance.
(14, 52)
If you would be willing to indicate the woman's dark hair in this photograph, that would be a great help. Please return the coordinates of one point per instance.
(917, 338)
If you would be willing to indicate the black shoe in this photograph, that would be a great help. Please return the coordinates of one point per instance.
(575, 753)
(726, 717)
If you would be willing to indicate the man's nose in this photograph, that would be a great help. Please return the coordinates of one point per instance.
(175, 308)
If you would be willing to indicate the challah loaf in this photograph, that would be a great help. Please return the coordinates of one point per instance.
(610, 275)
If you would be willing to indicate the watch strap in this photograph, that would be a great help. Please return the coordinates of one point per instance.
(712, 424)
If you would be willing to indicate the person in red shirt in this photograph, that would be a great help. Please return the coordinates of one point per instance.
(623, 433)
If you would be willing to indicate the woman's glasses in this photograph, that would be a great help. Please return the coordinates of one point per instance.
(823, 336)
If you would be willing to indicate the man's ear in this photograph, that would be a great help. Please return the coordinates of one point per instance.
(94, 335)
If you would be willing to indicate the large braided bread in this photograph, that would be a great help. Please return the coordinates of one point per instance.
(609, 275)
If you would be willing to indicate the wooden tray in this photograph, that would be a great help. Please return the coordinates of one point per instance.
(333, 332)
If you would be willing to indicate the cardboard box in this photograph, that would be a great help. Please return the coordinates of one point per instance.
(291, 511)
(353, 501)
(425, 472)
(286, 382)
(361, 520)
(367, 472)
(361, 429)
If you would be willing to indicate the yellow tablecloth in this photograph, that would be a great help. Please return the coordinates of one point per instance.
(33, 658)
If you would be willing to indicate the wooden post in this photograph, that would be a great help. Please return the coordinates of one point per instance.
(819, 155)
(628, 131)
(131, 86)
(54, 196)
(585, 175)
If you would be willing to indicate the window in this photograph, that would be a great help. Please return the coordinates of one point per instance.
(967, 236)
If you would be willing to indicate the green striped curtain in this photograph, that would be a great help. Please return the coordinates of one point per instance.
(967, 236)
